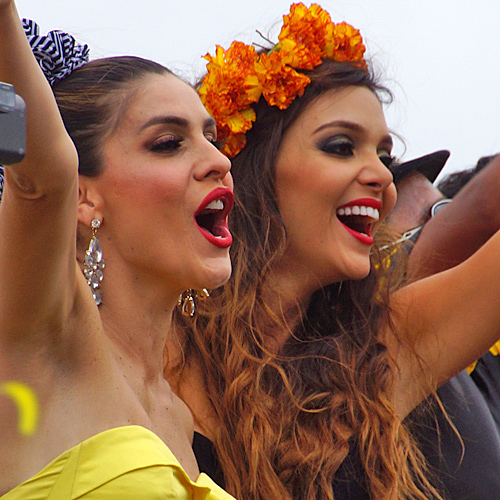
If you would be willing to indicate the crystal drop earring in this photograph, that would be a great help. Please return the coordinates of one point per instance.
(94, 263)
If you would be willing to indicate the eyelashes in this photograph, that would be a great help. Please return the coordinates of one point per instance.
(166, 145)
(339, 145)
(344, 146)
(172, 144)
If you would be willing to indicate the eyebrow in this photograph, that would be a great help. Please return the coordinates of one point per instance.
(355, 127)
(175, 120)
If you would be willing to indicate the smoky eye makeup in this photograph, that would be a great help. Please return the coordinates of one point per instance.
(340, 145)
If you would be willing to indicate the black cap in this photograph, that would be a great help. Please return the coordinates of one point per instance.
(429, 165)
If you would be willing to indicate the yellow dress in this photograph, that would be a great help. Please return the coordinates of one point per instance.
(125, 463)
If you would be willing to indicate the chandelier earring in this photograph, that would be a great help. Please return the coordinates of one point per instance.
(187, 301)
(94, 263)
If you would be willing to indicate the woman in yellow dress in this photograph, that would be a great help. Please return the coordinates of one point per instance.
(116, 210)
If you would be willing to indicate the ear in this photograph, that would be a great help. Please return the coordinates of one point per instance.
(90, 202)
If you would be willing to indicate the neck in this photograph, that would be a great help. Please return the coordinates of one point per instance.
(287, 293)
(138, 336)
(136, 313)
(186, 379)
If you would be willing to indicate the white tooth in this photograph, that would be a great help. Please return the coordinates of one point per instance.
(376, 214)
(216, 205)
(355, 210)
(348, 210)
(340, 211)
(363, 210)
(369, 212)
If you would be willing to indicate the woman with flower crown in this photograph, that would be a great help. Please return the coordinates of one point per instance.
(85, 411)
(301, 370)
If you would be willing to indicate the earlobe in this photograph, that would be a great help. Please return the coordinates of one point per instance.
(88, 205)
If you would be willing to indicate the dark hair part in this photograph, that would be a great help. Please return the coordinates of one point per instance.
(286, 420)
(92, 99)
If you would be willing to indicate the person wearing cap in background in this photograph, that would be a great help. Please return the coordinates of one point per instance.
(418, 198)
(445, 232)
(466, 224)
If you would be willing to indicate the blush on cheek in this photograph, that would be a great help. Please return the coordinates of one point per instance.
(155, 193)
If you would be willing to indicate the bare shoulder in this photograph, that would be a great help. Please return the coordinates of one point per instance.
(50, 395)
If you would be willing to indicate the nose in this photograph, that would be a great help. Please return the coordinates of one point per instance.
(213, 164)
(376, 174)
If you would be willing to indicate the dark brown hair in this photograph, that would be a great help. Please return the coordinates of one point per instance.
(92, 99)
(286, 421)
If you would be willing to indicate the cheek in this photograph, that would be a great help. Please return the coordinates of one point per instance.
(390, 198)
(153, 189)
(228, 181)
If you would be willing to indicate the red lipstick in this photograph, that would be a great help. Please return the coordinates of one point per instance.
(211, 217)
(357, 218)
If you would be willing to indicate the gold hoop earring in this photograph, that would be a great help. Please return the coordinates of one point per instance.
(94, 263)
(187, 301)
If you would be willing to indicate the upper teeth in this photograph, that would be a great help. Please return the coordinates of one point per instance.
(359, 210)
(216, 205)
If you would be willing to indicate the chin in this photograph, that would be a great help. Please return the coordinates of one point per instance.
(359, 272)
(217, 276)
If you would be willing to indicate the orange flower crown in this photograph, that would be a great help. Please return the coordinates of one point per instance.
(239, 76)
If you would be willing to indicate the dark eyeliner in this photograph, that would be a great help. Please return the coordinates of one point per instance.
(340, 145)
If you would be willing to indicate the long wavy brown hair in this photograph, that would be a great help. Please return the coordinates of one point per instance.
(287, 419)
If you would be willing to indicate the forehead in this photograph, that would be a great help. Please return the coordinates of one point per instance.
(354, 104)
(165, 95)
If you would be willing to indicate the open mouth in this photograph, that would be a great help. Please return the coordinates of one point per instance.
(358, 218)
(211, 217)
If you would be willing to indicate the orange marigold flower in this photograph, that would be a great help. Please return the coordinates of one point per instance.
(228, 90)
(280, 82)
(241, 121)
(298, 56)
(234, 144)
(348, 45)
(236, 78)
(308, 27)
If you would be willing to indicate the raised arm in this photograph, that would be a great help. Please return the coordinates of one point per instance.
(39, 206)
(449, 320)
(458, 230)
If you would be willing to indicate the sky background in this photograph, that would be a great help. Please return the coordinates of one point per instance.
(441, 58)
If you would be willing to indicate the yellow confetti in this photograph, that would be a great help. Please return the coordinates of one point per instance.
(27, 404)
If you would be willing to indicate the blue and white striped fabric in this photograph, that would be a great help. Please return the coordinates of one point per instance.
(57, 53)
(1, 181)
